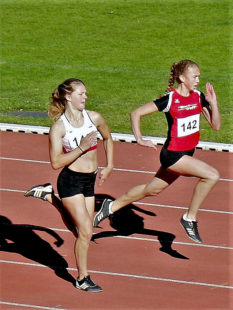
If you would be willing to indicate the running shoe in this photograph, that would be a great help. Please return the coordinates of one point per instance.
(103, 212)
(86, 284)
(191, 230)
(40, 191)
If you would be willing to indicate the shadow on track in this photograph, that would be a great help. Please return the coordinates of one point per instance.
(126, 222)
(21, 239)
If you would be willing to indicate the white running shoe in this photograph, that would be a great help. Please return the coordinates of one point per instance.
(40, 191)
(103, 212)
(86, 284)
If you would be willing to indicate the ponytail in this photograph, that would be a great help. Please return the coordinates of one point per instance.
(171, 80)
(58, 99)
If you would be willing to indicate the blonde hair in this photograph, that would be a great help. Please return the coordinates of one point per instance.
(58, 99)
(177, 69)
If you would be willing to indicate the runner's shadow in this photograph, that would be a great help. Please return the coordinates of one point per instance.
(126, 222)
(21, 239)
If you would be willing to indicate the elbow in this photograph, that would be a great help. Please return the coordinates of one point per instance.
(55, 165)
(216, 126)
(134, 117)
(108, 140)
(216, 122)
(133, 114)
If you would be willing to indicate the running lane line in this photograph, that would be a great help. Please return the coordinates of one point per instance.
(212, 285)
(141, 203)
(28, 306)
(114, 169)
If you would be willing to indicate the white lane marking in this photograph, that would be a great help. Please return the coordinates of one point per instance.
(130, 275)
(29, 306)
(26, 160)
(176, 242)
(142, 203)
(179, 207)
(116, 169)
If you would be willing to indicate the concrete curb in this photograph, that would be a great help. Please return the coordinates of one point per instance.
(203, 145)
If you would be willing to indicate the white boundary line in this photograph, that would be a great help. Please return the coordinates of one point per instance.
(182, 208)
(176, 242)
(115, 169)
(28, 306)
(116, 137)
(141, 203)
(130, 275)
(219, 247)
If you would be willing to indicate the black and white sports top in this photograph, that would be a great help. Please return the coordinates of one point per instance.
(73, 136)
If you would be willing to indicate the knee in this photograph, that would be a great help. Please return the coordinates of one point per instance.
(85, 234)
(152, 191)
(213, 175)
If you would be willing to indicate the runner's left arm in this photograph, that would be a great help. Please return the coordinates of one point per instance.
(211, 112)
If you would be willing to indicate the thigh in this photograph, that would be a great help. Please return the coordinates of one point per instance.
(162, 179)
(169, 158)
(90, 205)
(76, 206)
(189, 166)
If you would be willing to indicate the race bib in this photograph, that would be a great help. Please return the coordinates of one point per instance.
(188, 125)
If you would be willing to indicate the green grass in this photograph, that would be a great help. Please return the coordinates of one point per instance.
(122, 49)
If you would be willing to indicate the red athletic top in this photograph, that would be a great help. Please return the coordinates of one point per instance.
(183, 118)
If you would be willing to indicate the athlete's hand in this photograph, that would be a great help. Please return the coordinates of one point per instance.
(147, 143)
(210, 94)
(104, 174)
(88, 141)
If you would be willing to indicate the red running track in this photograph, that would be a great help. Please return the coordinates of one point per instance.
(142, 258)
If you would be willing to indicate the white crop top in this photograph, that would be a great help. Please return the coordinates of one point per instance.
(73, 135)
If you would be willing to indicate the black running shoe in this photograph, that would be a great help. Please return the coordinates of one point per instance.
(86, 284)
(103, 212)
(40, 191)
(191, 230)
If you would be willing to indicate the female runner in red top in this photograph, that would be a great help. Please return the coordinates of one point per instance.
(182, 106)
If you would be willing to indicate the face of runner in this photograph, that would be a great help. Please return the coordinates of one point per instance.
(191, 78)
(78, 97)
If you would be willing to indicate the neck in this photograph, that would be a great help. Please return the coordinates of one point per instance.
(73, 115)
(183, 90)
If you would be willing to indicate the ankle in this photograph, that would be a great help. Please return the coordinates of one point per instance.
(81, 277)
(110, 208)
(189, 218)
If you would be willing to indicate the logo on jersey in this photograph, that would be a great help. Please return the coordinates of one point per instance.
(188, 107)
(177, 101)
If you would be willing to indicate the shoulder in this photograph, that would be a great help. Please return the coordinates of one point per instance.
(57, 129)
(197, 92)
(96, 117)
(203, 101)
(163, 101)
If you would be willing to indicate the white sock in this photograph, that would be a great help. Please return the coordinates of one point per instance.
(186, 218)
(110, 208)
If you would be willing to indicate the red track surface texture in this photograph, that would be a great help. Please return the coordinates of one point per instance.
(142, 259)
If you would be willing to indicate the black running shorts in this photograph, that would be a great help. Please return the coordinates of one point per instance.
(70, 183)
(169, 158)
